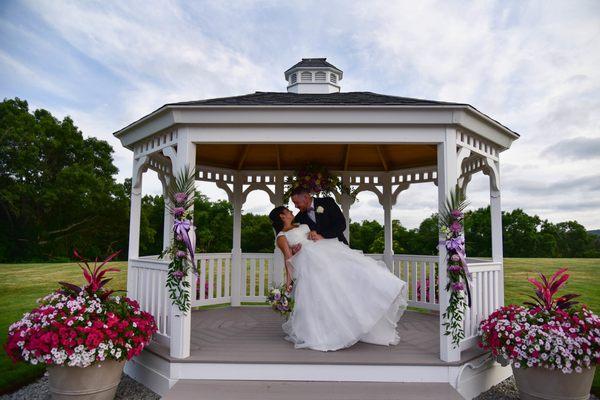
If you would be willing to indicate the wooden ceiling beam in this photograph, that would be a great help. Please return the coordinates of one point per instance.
(243, 157)
(382, 158)
(347, 157)
(278, 157)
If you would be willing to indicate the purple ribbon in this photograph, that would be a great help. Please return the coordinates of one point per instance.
(182, 227)
(457, 244)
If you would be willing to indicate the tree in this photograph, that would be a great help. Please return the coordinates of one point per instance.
(56, 187)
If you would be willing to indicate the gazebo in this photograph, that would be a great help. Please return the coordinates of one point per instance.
(374, 142)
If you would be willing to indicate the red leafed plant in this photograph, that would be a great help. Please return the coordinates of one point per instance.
(94, 275)
(547, 289)
(81, 326)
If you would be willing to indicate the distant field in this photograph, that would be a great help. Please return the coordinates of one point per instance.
(22, 284)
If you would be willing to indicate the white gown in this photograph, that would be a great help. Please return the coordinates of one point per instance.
(341, 296)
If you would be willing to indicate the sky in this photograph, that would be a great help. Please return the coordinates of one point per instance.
(532, 65)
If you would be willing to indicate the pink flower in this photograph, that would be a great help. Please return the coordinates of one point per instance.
(456, 227)
(181, 254)
(180, 197)
(458, 286)
(455, 258)
(178, 274)
(178, 211)
(456, 213)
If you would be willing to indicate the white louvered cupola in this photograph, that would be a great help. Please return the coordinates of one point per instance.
(313, 75)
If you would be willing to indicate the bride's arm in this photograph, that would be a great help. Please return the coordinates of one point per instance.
(284, 246)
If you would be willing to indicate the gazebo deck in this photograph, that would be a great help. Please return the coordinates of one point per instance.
(253, 334)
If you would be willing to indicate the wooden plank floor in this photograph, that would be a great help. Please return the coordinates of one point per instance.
(254, 335)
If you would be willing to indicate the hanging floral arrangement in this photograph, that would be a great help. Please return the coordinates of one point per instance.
(317, 180)
(183, 243)
(458, 276)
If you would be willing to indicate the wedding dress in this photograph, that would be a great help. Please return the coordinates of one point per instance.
(341, 296)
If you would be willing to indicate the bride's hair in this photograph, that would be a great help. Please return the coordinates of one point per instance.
(276, 219)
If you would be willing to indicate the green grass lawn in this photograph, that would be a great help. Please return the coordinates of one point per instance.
(22, 284)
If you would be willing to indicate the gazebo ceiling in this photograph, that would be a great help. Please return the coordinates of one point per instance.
(349, 157)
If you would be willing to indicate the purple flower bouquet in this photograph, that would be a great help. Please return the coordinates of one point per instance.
(281, 300)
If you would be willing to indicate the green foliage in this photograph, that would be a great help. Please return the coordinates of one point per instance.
(51, 177)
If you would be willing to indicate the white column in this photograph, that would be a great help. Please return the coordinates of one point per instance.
(346, 203)
(236, 251)
(388, 252)
(447, 179)
(181, 322)
(278, 259)
(168, 217)
(496, 221)
(135, 216)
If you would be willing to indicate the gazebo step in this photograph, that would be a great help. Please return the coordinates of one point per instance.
(296, 390)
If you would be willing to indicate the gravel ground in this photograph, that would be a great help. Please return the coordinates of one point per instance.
(128, 389)
(506, 390)
(132, 390)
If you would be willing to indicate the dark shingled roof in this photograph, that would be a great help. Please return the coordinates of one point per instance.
(312, 63)
(285, 98)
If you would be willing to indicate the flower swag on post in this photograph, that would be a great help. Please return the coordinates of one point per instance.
(317, 180)
(458, 276)
(181, 251)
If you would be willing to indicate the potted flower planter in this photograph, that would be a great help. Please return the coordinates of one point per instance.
(96, 382)
(84, 335)
(553, 346)
(542, 383)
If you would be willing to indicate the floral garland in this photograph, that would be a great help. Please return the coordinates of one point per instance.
(451, 225)
(317, 180)
(183, 243)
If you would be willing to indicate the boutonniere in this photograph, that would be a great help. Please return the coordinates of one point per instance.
(320, 209)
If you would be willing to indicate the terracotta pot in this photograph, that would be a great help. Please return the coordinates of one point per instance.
(545, 384)
(96, 382)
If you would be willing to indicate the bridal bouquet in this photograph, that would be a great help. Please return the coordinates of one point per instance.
(281, 300)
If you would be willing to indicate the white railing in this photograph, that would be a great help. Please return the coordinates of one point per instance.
(486, 296)
(212, 284)
(420, 273)
(257, 275)
(150, 277)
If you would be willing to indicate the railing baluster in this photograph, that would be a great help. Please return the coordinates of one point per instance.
(211, 278)
(244, 283)
(261, 276)
(423, 282)
(219, 277)
(227, 275)
(413, 273)
(253, 277)
(202, 279)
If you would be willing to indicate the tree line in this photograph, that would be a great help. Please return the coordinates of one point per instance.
(58, 192)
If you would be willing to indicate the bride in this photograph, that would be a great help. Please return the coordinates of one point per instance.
(340, 295)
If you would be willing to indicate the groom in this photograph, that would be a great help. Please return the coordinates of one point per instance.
(322, 215)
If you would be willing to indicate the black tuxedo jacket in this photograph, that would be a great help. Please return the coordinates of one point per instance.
(330, 223)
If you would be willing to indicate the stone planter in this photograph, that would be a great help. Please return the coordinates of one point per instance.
(545, 384)
(96, 382)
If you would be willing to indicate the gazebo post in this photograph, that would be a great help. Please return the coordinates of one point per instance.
(168, 217)
(446, 181)
(135, 215)
(387, 203)
(180, 321)
(236, 250)
(346, 202)
(496, 228)
(278, 261)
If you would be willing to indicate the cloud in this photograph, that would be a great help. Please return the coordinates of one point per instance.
(531, 65)
(579, 148)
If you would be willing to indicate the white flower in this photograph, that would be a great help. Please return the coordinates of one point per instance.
(320, 209)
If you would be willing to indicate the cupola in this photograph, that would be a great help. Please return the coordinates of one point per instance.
(313, 75)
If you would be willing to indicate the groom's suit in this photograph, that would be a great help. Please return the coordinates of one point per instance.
(330, 222)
